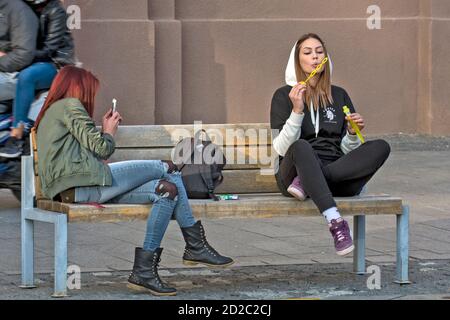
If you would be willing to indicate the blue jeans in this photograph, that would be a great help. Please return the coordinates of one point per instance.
(36, 77)
(135, 182)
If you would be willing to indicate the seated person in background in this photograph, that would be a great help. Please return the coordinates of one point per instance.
(320, 154)
(18, 32)
(71, 154)
(54, 49)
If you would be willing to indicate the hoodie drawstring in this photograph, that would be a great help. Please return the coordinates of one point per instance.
(314, 119)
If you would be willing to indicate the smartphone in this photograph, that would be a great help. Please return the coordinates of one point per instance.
(114, 103)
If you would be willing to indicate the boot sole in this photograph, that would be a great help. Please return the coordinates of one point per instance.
(218, 266)
(138, 288)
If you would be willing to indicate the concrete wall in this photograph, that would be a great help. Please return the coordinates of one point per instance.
(439, 67)
(117, 42)
(176, 61)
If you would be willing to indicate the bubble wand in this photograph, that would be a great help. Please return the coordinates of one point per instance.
(353, 124)
(312, 74)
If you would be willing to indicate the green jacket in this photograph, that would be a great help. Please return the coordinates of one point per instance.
(70, 149)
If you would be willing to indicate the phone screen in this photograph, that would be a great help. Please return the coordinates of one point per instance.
(114, 103)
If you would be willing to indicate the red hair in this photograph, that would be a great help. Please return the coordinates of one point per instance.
(72, 82)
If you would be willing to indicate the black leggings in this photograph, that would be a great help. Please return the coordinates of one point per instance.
(322, 179)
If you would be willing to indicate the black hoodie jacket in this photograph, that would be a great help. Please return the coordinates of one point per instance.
(333, 126)
(55, 41)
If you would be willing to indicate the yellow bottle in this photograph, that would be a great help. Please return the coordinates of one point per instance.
(354, 125)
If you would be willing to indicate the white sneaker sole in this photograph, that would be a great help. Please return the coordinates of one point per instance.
(297, 194)
(346, 251)
(10, 155)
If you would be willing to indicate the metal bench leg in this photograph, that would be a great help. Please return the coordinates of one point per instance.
(402, 246)
(359, 240)
(60, 257)
(27, 225)
(27, 254)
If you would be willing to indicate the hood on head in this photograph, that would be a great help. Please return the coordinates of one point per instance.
(290, 75)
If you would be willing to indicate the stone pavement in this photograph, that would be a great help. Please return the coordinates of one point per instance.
(417, 171)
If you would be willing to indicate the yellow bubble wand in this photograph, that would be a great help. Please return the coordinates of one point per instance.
(312, 74)
(353, 124)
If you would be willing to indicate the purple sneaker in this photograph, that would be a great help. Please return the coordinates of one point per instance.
(341, 235)
(296, 189)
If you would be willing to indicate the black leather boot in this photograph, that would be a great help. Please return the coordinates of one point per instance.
(144, 276)
(198, 250)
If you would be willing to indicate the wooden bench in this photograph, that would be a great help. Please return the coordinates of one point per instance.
(257, 189)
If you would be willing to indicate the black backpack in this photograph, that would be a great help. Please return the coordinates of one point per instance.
(201, 163)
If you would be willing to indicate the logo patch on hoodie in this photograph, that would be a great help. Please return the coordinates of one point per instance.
(329, 115)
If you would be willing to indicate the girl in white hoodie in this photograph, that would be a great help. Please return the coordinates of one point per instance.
(320, 154)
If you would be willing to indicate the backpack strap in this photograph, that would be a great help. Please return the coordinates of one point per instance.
(190, 156)
(205, 172)
(219, 180)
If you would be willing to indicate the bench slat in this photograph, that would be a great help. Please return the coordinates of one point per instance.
(249, 206)
(247, 181)
(169, 135)
(37, 187)
(237, 157)
(235, 181)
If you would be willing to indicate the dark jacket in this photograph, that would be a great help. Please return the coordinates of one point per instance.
(18, 32)
(333, 126)
(70, 149)
(54, 41)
